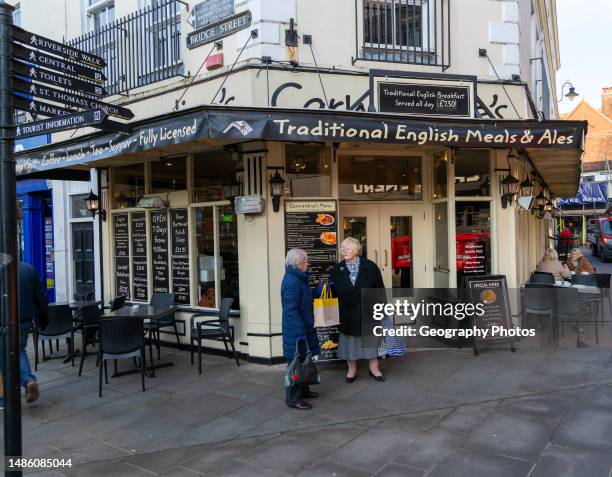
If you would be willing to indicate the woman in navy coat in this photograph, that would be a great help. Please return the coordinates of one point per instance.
(298, 320)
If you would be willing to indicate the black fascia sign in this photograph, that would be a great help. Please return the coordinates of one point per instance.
(218, 30)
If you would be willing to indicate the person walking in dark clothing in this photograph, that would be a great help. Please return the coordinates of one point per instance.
(298, 321)
(33, 306)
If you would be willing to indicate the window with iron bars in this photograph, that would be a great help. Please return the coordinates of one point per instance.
(405, 31)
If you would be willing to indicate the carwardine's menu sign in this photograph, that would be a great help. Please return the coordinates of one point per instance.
(303, 126)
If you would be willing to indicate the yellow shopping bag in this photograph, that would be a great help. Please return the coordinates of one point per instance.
(326, 309)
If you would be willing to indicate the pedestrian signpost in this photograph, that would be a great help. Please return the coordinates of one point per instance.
(44, 78)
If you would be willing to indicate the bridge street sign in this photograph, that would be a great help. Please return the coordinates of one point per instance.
(46, 76)
(67, 52)
(70, 121)
(39, 107)
(57, 64)
(66, 97)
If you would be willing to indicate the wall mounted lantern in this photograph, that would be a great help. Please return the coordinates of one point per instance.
(92, 202)
(231, 190)
(277, 185)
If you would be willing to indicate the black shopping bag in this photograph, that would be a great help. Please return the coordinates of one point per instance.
(302, 373)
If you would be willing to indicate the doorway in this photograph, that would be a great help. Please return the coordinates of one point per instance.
(394, 236)
(83, 259)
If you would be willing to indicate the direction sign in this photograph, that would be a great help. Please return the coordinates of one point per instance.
(70, 121)
(40, 42)
(39, 107)
(66, 97)
(57, 64)
(46, 76)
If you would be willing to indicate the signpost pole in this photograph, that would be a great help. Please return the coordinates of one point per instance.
(8, 246)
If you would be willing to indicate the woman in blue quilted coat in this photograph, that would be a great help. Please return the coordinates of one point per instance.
(298, 320)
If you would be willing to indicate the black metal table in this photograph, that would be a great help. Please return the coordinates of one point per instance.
(143, 312)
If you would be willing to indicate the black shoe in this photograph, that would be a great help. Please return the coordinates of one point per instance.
(309, 395)
(380, 379)
(350, 380)
(302, 406)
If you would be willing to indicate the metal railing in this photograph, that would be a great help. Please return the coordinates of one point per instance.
(404, 31)
(139, 49)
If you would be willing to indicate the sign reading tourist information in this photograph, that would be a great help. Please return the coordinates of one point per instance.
(492, 292)
(139, 256)
(312, 225)
(218, 30)
(35, 73)
(424, 100)
(61, 123)
(57, 64)
(66, 97)
(41, 43)
(211, 11)
(122, 255)
(159, 236)
(180, 256)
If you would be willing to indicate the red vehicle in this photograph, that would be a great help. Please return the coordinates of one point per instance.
(599, 236)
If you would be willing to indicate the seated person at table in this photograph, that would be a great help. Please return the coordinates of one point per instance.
(576, 262)
(550, 264)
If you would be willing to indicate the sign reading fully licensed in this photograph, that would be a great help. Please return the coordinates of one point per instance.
(218, 30)
(70, 121)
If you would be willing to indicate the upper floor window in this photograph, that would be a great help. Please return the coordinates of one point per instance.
(100, 13)
(406, 31)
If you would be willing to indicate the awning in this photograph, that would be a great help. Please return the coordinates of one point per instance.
(589, 193)
(554, 145)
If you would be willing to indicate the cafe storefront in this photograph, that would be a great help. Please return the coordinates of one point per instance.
(424, 195)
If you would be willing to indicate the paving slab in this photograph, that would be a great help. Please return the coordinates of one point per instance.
(473, 463)
(569, 462)
(587, 428)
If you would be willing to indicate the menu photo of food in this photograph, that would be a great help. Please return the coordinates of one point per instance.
(329, 238)
(325, 219)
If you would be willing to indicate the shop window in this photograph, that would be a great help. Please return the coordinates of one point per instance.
(473, 238)
(308, 170)
(169, 174)
(440, 175)
(380, 178)
(210, 172)
(217, 255)
(128, 185)
(472, 173)
(78, 208)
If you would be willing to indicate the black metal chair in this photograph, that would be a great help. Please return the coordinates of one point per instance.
(117, 303)
(120, 338)
(543, 278)
(90, 319)
(154, 326)
(539, 300)
(217, 330)
(586, 280)
(60, 326)
(572, 308)
(603, 283)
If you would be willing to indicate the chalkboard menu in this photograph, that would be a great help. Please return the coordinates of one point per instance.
(492, 292)
(159, 237)
(139, 256)
(312, 226)
(180, 256)
(122, 255)
(424, 99)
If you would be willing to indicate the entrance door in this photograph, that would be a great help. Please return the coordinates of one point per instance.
(83, 259)
(393, 236)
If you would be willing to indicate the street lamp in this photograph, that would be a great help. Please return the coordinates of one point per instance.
(277, 184)
(571, 94)
(526, 186)
(231, 190)
(92, 202)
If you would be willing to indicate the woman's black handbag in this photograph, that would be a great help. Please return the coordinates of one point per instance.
(302, 373)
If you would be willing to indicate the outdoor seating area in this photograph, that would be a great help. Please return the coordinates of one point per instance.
(123, 332)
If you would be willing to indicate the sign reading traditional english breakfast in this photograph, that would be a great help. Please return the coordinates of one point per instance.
(424, 100)
(301, 126)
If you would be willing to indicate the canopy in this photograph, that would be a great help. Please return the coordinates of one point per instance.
(589, 193)
(556, 145)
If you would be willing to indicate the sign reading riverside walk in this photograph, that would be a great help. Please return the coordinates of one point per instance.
(70, 121)
(312, 225)
(492, 292)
